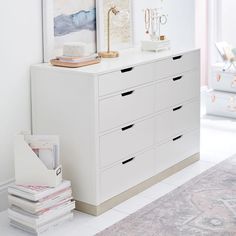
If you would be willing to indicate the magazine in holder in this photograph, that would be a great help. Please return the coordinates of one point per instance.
(29, 169)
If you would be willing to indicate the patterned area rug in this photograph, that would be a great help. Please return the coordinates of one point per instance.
(204, 206)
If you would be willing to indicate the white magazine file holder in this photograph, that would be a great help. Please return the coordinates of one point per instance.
(29, 169)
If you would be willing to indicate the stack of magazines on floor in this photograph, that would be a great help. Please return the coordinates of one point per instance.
(39, 199)
(36, 209)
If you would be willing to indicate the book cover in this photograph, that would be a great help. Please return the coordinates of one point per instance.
(31, 220)
(39, 206)
(36, 193)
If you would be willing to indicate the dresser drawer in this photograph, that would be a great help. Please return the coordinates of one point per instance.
(176, 150)
(177, 64)
(126, 78)
(126, 107)
(177, 120)
(178, 89)
(128, 140)
(127, 174)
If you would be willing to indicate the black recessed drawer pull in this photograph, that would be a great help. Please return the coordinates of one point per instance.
(177, 108)
(127, 70)
(127, 127)
(127, 161)
(177, 58)
(127, 93)
(177, 138)
(177, 78)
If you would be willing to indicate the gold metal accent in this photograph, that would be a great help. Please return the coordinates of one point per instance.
(147, 20)
(232, 104)
(213, 98)
(218, 78)
(109, 204)
(233, 84)
(162, 37)
(109, 53)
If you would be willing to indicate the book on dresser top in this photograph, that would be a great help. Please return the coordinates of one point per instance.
(77, 59)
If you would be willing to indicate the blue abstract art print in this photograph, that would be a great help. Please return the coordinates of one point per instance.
(68, 21)
(76, 22)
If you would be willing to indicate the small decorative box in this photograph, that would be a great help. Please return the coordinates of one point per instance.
(156, 46)
(223, 80)
(221, 104)
(76, 49)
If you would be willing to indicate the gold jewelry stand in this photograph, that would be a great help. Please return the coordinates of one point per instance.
(109, 53)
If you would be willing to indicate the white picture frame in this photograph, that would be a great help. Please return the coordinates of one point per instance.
(52, 47)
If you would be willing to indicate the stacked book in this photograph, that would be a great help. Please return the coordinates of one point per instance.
(72, 61)
(36, 209)
(77, 59)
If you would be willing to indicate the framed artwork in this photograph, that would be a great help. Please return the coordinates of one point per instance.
(68, 21)
(121, 25)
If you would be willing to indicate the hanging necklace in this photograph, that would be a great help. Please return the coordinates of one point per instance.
(147, 20)
(154, 21)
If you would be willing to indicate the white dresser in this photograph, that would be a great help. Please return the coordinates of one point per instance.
(124, 124)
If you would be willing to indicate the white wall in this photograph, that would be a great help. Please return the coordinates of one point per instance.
(20, 46)
(180, 28)
(201, 25)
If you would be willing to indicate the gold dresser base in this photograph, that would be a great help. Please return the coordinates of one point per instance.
(107, 205)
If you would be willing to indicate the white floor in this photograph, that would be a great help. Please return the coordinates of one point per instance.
(218, 139)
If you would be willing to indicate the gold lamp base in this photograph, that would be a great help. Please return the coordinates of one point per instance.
(110, 54)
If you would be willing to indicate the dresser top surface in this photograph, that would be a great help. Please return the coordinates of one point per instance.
(128, 58)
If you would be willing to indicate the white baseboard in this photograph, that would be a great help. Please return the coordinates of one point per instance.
(4, 185)
(3, 194)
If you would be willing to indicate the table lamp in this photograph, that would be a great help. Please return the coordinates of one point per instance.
(109, 53)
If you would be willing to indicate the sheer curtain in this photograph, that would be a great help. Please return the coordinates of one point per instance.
(221, 25)
(201, 36)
